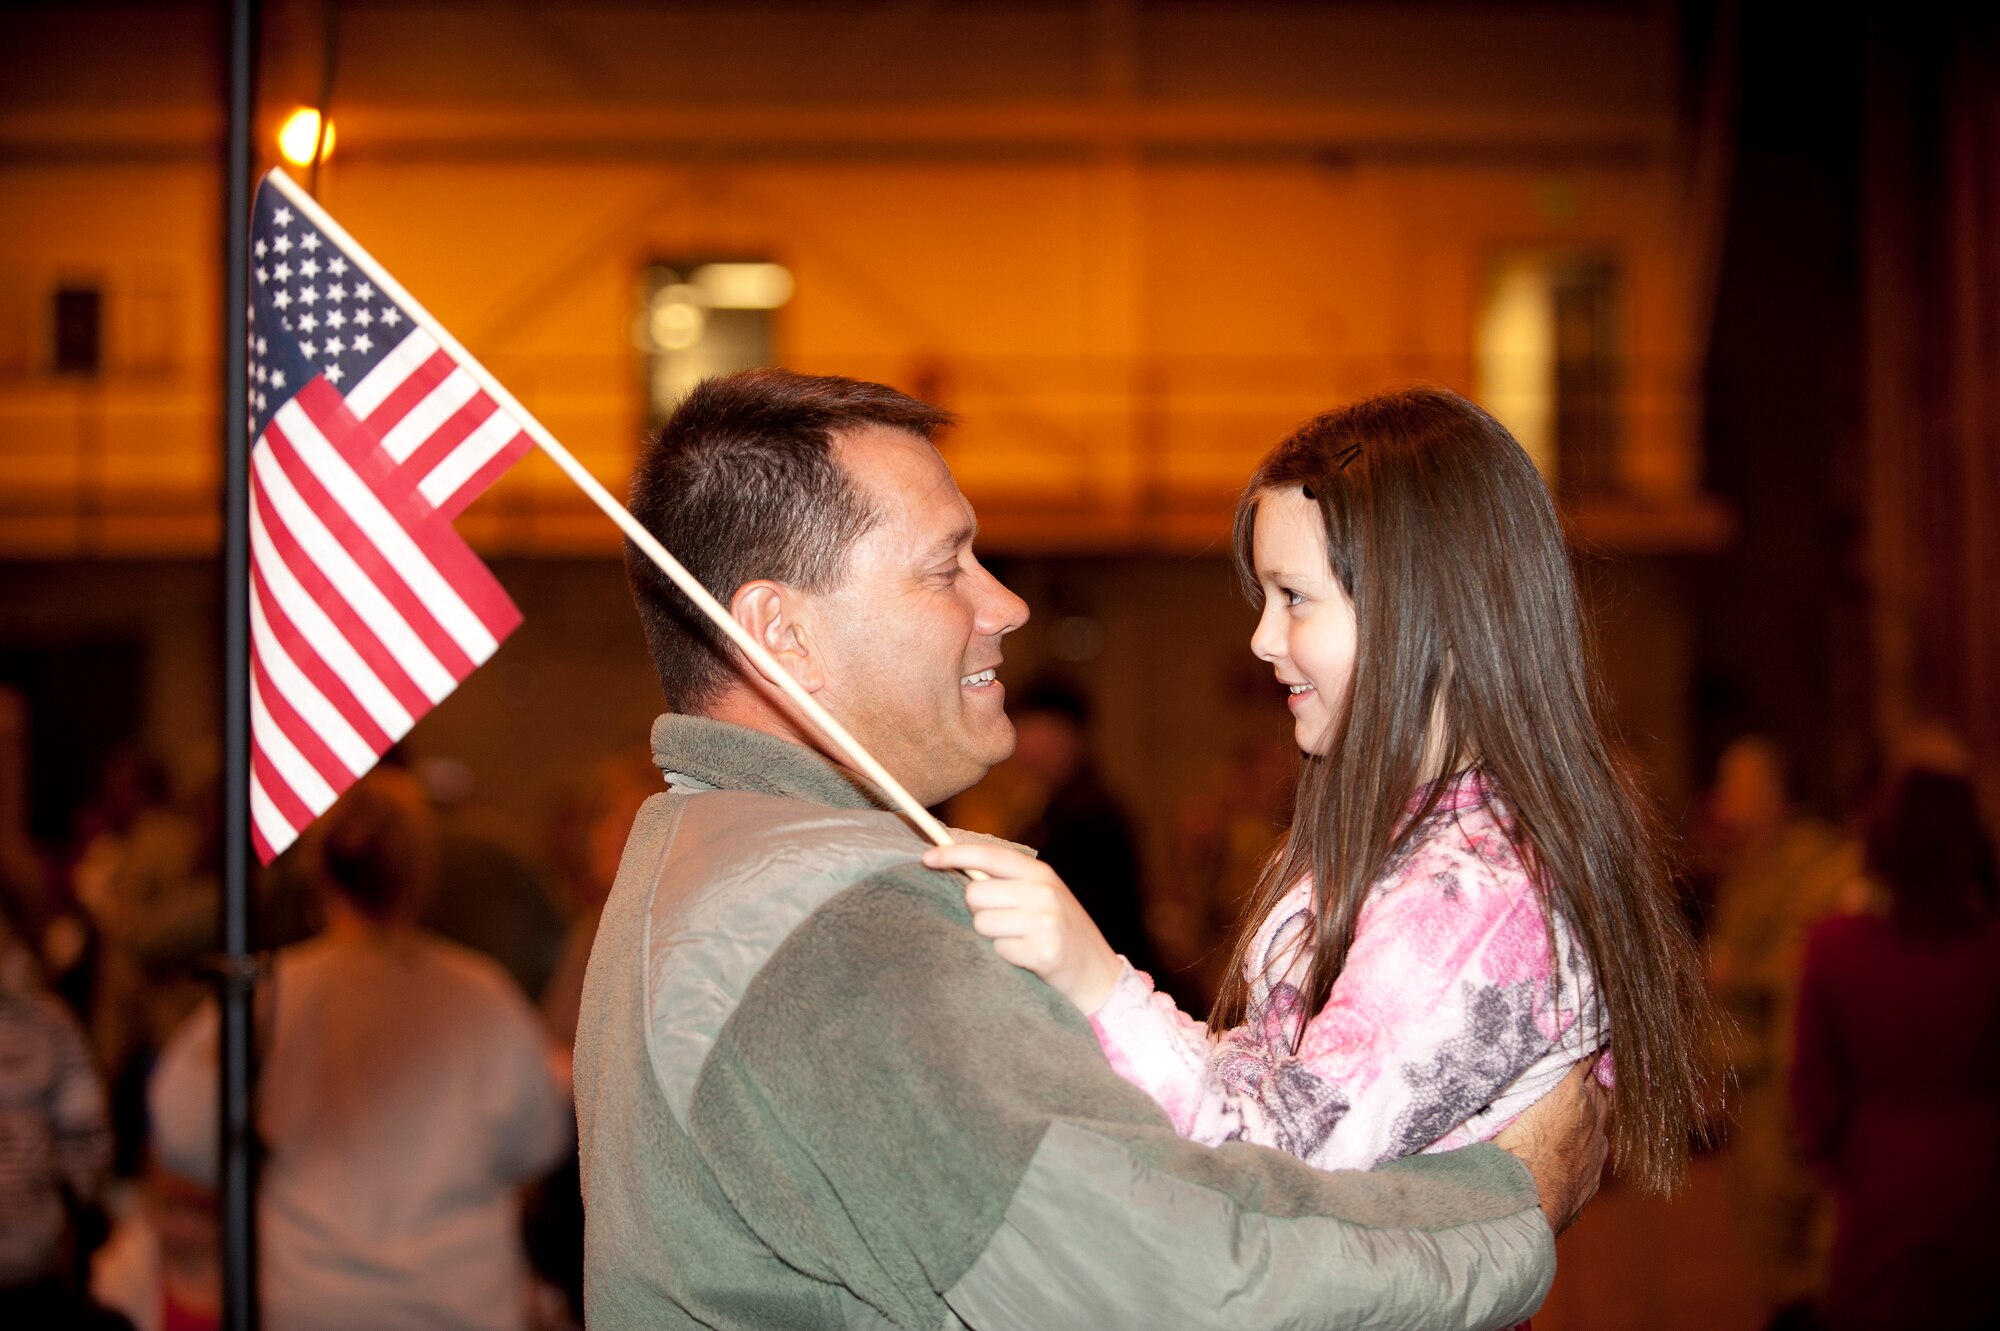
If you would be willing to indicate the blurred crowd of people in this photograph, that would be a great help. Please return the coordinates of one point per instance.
(416, 1146)
(415, 1143)
(1859, 968)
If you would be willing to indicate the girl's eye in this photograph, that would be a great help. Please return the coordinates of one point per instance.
(1292, 597)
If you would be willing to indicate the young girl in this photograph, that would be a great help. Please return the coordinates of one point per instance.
(1471, 898)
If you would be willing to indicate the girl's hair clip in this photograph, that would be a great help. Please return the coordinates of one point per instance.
(1341, 461)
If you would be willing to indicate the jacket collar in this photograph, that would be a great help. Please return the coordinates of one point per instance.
(697, 752)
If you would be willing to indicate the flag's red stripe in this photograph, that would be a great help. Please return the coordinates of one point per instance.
(405, 396)
(314, 668)
(449, 435)
(362, 448)
(328, 411)
(257, 842)
(468, 575)
(352, 627)
(477, 483)
(289, 806)
(453, 560)
(298, 730)
(457, 563)
(359, 548)
(447, 551)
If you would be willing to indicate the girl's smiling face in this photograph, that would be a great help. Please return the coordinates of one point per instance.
(1307, 628)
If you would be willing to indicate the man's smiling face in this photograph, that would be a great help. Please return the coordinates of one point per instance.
(911, 638)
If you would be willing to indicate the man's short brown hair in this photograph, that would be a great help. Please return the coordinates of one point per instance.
(741, 483)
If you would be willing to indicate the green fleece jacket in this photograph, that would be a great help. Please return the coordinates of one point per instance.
(810, 1095)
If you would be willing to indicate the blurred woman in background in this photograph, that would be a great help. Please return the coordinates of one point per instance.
(1896, 1079)
(406, 1093)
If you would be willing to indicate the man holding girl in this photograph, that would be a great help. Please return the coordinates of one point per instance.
(811, 1094)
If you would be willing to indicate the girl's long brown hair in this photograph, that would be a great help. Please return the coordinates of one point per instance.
(1445, 537)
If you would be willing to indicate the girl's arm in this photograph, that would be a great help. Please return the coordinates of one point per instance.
(1438, 1031)
(1036, 923)
(1033, 919)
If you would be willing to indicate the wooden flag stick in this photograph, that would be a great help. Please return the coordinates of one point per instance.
(849, 747)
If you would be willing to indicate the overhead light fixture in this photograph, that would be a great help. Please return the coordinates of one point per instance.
(299, 140)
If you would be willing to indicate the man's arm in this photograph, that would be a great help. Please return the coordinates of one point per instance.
(1562, 1139)
(932, 1121)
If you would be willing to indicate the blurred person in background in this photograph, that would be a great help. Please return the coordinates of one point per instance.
(25, 905)
(587, 832)
(162, 1265)
(1075, 824)
(55, 1149)
(492, 893)
(1896, 1080)
(1223, 837)
(147, 882)
(405, 1095)
(1779, 870)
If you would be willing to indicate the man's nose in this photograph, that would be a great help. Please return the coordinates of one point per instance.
(1000, 611)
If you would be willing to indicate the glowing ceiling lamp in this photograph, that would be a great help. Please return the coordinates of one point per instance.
(299, 138)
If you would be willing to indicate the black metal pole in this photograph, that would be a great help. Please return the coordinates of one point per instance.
(237, 991)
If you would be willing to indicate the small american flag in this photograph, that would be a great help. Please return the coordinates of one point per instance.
(370, 431)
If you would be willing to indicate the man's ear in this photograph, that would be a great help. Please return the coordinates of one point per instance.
(770, 612)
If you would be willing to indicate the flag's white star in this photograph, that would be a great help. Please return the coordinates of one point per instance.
(335, 319)
(334, 346)
(277, 379)
(310, 268)
(307, 322)
(392, 316)
(260, 401)
(364, 292)
(309, 349)
(283, 300)
(283, 217)
(364, 344)
(308, 295)
(263, 348)
(283, 272)
(311, 241)
(336, 265)
(334, 374)
(259, 247)
(364, 317)
(260, 374)
(336, 292)
(283, 244)
(263, 275)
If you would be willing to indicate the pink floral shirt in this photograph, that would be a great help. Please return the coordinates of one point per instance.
(1447, 1022)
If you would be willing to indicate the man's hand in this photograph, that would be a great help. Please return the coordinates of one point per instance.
(1562, 1141)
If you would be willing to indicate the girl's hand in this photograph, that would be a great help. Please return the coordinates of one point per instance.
(1033, 921)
